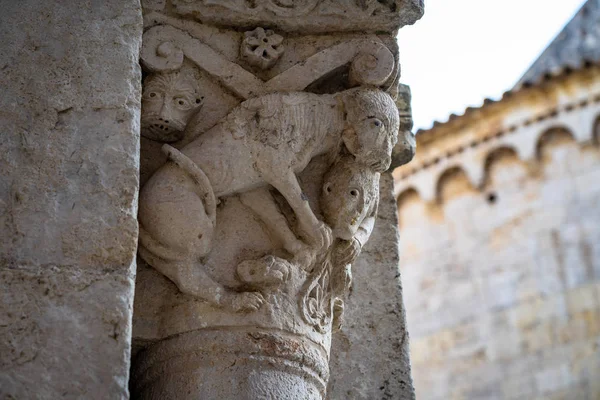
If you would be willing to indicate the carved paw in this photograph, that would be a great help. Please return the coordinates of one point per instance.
(319, 235)
(245, 301)
(347, 251)
(268, 270)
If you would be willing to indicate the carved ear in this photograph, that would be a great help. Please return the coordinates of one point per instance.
(350, 140)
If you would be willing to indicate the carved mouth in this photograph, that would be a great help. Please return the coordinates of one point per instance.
(160, 131)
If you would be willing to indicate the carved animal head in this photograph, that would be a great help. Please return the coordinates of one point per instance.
(169, 101)
(349, 192)
(372, 125)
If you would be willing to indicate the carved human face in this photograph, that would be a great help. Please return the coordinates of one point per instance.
(169, 101)
(372, 131)
(349, 191)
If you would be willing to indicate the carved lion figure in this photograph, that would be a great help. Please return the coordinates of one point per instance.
(169, 101)
(264, 141)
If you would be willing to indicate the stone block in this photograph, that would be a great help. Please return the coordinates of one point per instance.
(582, 298)
(553, 379)
(504, 344)
(501, 288)
(537, 337)
(528, 314)
(431, 382)
(483, 382)
(579, 326)
(69, 169)
(65, 333)
(421, 352)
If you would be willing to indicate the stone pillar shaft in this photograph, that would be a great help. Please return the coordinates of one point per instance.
(69, 166)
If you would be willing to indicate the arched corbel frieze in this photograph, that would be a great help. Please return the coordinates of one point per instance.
(492, 157)
(553, 134)
(447, 177)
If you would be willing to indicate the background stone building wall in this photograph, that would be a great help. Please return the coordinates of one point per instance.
(500, 247)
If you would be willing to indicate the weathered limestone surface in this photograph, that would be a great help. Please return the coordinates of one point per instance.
(69, 159)
(266, 128)
(501, 269)
(370, 355)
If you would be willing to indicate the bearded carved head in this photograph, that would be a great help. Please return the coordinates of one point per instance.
(169, 101)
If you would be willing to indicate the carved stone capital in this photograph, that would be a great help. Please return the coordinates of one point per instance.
(252, 215)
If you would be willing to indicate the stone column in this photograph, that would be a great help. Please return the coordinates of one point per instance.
(69, 158)
(266, 127)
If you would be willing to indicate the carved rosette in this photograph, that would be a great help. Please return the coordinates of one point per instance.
(262, 48)
(260, 174)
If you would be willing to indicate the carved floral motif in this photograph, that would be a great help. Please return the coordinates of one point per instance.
(261, 48)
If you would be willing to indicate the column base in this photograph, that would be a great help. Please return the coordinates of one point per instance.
(231, 363)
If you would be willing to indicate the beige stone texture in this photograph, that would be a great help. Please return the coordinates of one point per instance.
(267, 127)
(500, 254)
(69, 165)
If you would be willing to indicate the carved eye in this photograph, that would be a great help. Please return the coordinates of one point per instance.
(377, 123)
(327, 188)
(182, 103)
(198, 101)
(354, 193)
(153, 95)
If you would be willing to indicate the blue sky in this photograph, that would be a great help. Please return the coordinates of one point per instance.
(463, 51)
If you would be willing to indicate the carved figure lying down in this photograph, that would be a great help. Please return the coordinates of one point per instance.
(265, 140)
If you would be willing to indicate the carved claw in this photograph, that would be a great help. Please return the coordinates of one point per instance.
(320, 235)
(278, 270)
(268, 270)
(245, 301)
(347, 251)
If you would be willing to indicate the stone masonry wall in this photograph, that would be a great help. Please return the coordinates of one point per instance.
(69, 159)
(502, 282)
